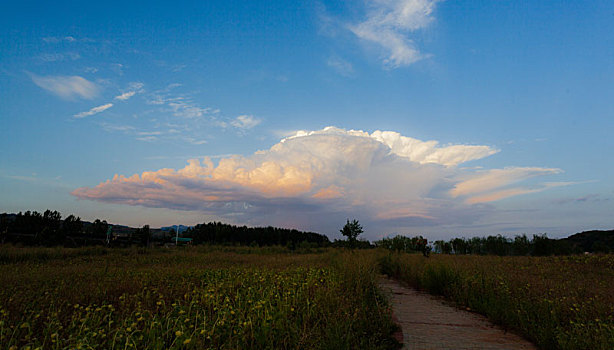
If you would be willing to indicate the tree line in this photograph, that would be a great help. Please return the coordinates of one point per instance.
(49, 229)
(405, 244)
(224, 234)
(521, 245)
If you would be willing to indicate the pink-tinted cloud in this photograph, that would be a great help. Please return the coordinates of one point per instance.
(490, 185)
(329, 174)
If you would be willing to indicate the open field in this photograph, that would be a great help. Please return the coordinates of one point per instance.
(242, 297)
(557, 302)
(191, 298)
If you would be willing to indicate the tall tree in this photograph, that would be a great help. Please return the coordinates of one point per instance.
(99, 228)
(72, 226)
(144, 235)
(351, 230)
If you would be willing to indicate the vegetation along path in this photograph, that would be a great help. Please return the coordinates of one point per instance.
(428, 323)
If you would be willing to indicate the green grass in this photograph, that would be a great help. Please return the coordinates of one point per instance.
(557, 302)
(195, 298)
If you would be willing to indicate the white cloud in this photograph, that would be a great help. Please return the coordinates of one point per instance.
(341, 66)
(181, 118)
(67, 87)
(147, 138)
(183, 109)
(133, 89)
(125, 96)
(321, 176)
(415, 150)
(180, 106)
(183, 106)
(94, 110)
(67, 39)
(53, 57)
(117, 68)
(149, 133)
(139, 135)
(196, 141)
(388, 24)
(137, 86)
(245, 122)
(121, 128)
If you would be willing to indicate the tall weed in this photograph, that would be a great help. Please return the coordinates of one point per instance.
(557, 302)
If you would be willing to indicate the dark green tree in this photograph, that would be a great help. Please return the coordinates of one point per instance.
(542, 245)
(72, 226)
(5, 223)
(99, 229)
(351, 230)
(144, 235)
(52, 219)
(521, 245)
(459, 245)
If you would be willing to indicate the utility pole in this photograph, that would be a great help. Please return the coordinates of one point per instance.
(109, 230)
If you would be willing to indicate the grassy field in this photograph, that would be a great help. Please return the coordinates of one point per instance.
(195, 298)
(240, 297)
(558, 302)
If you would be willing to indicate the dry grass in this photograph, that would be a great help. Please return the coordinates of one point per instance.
(558, 302)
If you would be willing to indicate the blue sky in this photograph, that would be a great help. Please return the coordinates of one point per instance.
(475, 117)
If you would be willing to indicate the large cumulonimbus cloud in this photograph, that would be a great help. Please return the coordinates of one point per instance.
(313, 178)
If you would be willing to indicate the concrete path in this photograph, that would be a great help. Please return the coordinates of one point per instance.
(428, 323)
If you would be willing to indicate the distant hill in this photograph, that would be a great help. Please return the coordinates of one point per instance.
(593, 241)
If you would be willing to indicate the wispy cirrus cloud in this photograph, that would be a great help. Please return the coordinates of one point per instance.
(186, 109)
(54, 57)
(383, 177)
(94, 110)
(196, 141)
(589, 198)
(390, 24)
(180, 105)
(149, 138)
(66, 39)
(121, 128)
(488, 180)
(184, 118)
(67, 87)
(56, 39)
(245, 122)
(125, 96)
(133, 89)
(139, 134)
(341, 66)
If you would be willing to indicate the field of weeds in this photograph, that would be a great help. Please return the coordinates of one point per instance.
(194, 298)
(557, 302)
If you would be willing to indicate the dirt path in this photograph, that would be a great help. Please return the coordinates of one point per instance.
(428, 323)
